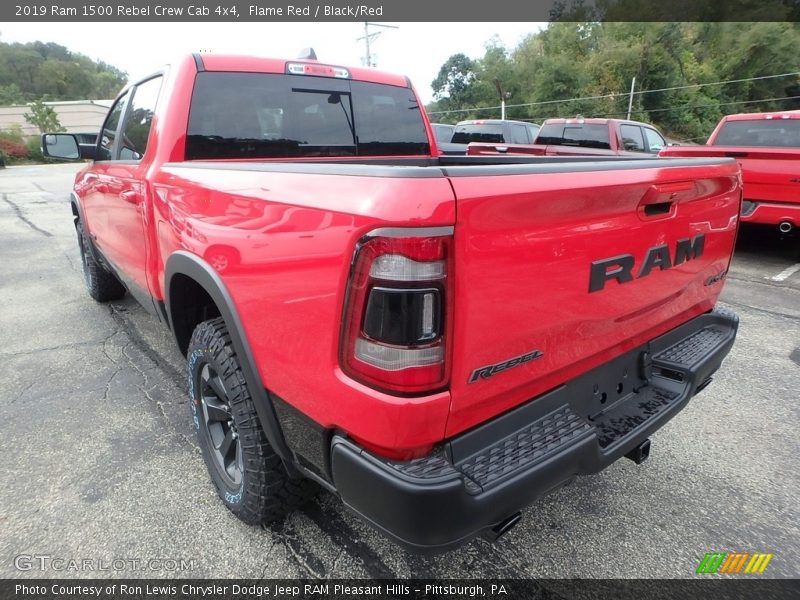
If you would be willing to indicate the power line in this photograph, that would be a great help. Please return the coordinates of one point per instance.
(613, 114)
(600, 97)
(695, 85)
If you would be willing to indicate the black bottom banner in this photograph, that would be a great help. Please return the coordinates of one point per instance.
(410, 589)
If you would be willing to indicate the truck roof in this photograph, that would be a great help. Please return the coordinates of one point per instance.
(786, 114)
(256, 64)
(492, 122)
(592, 121)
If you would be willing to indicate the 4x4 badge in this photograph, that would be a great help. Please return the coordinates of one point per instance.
(489, 370)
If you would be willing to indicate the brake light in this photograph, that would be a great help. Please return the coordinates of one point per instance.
(317, 70)
(398, 310)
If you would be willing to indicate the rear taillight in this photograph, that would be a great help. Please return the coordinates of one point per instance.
(397, 312)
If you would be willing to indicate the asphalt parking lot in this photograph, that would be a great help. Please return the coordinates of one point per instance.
(100, 462)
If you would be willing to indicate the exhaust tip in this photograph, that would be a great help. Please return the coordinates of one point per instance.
(502, 528)
(785, 227)
(640, 453)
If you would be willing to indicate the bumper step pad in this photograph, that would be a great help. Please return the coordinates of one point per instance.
(530, 445)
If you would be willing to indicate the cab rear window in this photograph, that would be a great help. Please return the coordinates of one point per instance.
(583, 135)
(259, 115)
(479, 132)
(781, 133)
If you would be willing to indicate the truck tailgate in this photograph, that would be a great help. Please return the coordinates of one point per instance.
(533, 311)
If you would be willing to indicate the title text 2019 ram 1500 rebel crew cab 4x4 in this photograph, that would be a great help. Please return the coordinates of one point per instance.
(436, 340)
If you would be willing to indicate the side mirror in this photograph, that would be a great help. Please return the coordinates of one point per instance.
(65, 146)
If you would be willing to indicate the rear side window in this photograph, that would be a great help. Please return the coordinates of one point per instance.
(583, 135)
(443, 133)
(489, 133)
(632, 138)
(257, 115)
(139, 120)
(519, 134)
(782, 133)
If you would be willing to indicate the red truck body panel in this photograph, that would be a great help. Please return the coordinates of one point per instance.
(290, 283)
(771, 175)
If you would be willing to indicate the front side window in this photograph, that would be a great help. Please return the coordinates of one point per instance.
(653, 139)
(108, 134)
(139, 120)
(258, 115)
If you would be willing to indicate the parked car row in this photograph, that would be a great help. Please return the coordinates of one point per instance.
(766, 145)
(555, 137)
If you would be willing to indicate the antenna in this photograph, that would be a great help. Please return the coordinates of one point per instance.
(368, 37)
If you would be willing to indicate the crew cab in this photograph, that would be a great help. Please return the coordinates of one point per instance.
(584, 137)
(436, 340)
(767, 146)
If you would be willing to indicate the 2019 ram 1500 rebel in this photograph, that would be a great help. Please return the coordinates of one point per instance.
(584, 137)
(767, 146)
(436, 340)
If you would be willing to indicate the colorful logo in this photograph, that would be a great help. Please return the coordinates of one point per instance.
(734, 562)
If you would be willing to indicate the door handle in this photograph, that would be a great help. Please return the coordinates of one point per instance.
(131, 196)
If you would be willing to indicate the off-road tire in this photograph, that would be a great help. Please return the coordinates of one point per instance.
(265, 492)
(101, 284)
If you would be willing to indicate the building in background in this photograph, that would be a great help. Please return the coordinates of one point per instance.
(76, 116)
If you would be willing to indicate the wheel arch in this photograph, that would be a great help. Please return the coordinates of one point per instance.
(189, 284)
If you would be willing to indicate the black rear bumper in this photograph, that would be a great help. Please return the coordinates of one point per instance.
(480, 478)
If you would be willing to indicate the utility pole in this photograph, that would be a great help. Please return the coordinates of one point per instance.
(630, 98)
(503, 97)
(368, 37)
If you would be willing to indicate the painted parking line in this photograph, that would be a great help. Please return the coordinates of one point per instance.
(786, 273)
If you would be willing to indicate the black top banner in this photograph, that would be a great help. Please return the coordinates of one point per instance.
(400, 11)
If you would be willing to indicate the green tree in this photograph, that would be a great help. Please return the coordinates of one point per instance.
(44, 117)
(38, 69)
(455, 86)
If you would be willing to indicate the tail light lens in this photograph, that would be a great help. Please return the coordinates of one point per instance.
(398, 310)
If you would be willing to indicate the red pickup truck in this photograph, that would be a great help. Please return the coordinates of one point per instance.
(767, 146)
(583, 137)
(437, 340)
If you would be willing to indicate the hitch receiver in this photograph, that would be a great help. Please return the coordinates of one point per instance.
(640, 453)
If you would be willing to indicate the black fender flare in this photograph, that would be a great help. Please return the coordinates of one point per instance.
(195, 268)
(77, 213)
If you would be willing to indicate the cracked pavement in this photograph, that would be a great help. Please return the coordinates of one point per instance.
(101, 461)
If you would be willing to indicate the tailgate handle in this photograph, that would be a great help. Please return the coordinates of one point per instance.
(661, 199)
